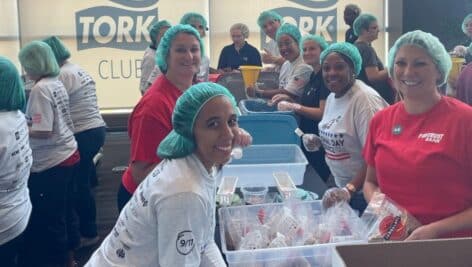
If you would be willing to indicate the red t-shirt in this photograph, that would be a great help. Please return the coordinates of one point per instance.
(424, 162)
(149, 124)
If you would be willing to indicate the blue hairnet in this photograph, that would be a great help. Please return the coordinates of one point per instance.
(180, 142)
(155, 28)
(59, 50)
(268, 15)
(12, 92)
(166, 42)
(191, 16)
(38, 59)
(362, 23)
(431, 45)
(466, 20)
(289, 29)
(317, 38)
(346, 49)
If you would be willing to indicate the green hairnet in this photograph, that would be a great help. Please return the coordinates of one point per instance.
(346, 49)
(362, 23)
(38, 59)
(268, 15)
(12, 92)
(58, 48)
(467, 19)
(192, 16)
(166, 42)
(155, 28)
(431, 45)
(317, 38)
(289, 29)
(180, 142)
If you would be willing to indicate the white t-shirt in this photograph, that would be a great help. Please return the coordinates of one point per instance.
(153, 76)
(15, 164)
(48, 110)
(80, 86)
(343, 129)
(169, 221)
(297, 76)
(273, 49)
(147, 66)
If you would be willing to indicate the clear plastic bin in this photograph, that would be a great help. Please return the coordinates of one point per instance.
(304, 255)
(259, 162)
(252, 106)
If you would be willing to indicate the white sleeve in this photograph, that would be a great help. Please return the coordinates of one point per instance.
(367, 106)
(212, 256)
(298, 80)
(40, 111)
(147, 67)
(182, 225)
(153, 76)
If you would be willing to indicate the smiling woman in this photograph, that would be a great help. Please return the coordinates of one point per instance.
(418, 142)
(171, 219)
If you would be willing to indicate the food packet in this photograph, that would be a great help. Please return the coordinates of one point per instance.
(385, 220)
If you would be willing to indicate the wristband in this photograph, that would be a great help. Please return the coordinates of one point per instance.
(351, 188)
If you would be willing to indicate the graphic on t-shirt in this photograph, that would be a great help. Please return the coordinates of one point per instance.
(185, 242)
(431, 137)
(333, 141)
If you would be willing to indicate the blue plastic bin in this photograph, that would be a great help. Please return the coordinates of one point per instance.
(258, 106)
(270, 128)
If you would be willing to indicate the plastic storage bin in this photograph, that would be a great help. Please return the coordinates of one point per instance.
(307, 255)
(259, 162)
(270, 128)
(252, 106)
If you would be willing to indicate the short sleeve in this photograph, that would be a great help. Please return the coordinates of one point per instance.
(298, 80)
(182, 220)
(40, 111)
(369, 147)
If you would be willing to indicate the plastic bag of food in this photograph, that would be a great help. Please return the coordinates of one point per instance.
(386, 220)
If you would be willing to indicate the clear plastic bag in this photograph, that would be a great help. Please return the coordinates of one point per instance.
(386, 220)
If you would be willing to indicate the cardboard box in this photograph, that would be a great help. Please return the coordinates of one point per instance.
(427, 253)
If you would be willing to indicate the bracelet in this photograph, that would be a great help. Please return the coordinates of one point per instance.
(351, 188)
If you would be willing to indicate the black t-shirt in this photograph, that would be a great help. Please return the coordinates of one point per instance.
(314, 91)
(247, 55)
(350, 37)
(370, 59)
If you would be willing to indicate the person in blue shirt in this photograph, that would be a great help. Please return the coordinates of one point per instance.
(240, 52)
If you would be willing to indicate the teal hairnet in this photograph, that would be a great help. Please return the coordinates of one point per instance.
(12, 92)
(290, 30)
(58, 48)
(38, 59)
(467, 19)
(155, 28)
(166, 42)
(180, 142)
(346, 49)
(362, 23)
(268, 15)
(317, 38)
(192, 16)
(431, 45)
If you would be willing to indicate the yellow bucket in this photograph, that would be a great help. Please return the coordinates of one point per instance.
(250, 74)
(457, 63)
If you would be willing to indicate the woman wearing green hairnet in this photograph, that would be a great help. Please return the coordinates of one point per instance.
(199, 23)
(294, 73)
(48, 237)
(149, 70)
(170, 221)
(15, 164)
(419, 151)
(343, 129)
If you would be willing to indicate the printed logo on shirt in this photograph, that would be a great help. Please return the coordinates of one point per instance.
(330, 123)
(185, 242)
(431, 137)
(36, 118)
